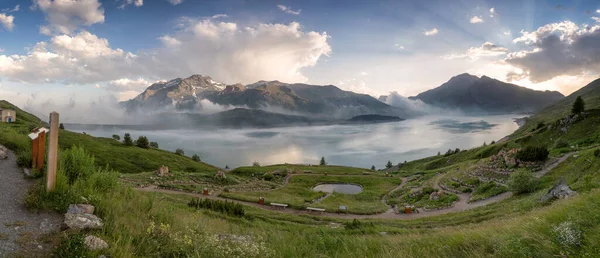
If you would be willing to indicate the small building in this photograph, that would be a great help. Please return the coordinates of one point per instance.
(8, 116)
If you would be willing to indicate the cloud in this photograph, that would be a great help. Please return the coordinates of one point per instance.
(415, 106)
(7, 21)
(358, 86)
(217, 16)
(15, 9)
(126, 84)
(399, 46)
(65, 16)
(492, 12)
(430, 32)
(222, 50)
(125, 3)
(175, 2)
(486, 50)
(598, 11)
(557, 49)
(506, 33)
(289, 10)
(476, 19)
(597, 19)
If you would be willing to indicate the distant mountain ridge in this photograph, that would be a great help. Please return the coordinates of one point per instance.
(487, 95)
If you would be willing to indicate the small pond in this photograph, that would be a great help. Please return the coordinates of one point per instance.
(340, 188)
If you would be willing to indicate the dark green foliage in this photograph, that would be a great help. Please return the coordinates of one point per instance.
(24, 158)
(142, 142)
(61, 126)
(428, 190)
(190, 169)
(226, 167)
(268, 177)
(493, 142)
(229, 208)
(71, 246)
(533, 153)
(597, 153)
(256, 164)
(154, 145)
(127, 139)
(196, 158)
(562, 143)
(116, 137)
(578, 106)
(389, 164)
(522, 181)
(373, 167)
(357, 224)
(76, 164)
(322, 162)
(179, 152)
(540, 125)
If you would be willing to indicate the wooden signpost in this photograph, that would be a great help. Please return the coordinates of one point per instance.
(38, 145)
(52, 153)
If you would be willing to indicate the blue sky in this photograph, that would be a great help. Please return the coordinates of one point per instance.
(83, 49)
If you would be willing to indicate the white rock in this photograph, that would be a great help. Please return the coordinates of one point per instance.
(95, 243)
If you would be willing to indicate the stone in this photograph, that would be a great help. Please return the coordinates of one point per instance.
(82, 221)
(220, 174)
(435, 195)
(27, 172)
(163, 171)
(559, 191)
(81, 208)
(3, 152)
(94, 243)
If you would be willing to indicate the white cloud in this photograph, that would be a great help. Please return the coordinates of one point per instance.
(175, 2)
(597, 19)
(492, 12)
(486, 50)
(430, 32)
(399, 46)
(7, 21)
(363, 73)
(557, 49)
(170, 42)
(289, 10)
(217, 16)
(598, 11)
(125, 3)
(358, 86)
(507, 33)
(64, 16)
(15, 9)
(476, 19)
(126, 84)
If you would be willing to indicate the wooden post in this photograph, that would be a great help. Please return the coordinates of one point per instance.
(41, 150)
(52, 153)
(34, 152)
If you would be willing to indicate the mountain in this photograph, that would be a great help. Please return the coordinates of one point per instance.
(590, 94)
(486, 95)
(327, 102)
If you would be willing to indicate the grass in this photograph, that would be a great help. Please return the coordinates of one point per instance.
(487, 190)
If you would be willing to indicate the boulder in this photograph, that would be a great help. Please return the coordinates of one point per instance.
(81, 208)
(163, 171)
(94, 243)
(3, 152)
(559, 191)
(82, 221)
(221, 174)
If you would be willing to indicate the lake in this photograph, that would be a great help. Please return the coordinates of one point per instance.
(348, 145)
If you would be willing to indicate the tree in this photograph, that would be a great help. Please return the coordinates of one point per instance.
(61, 126)
(179, 152)
(116, 137)
(256, 164)
(532, 153)
(373, 167)
(439, 153)
(493, 142)
(389, 164)
(154, 145)
(127, 139)
(522, 181)
(142, 142)
(322, 163)
(226, 167)
(196, 158)
(578, 106)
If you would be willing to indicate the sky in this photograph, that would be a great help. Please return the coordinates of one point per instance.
(86, 54)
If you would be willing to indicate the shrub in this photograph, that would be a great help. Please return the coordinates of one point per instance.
(196, 158)
(373, 167)
(61, 126)
(357, 224)
(532, 153)
(76, 163)
(142, 142)
(190, 169)
(428, 190)
(389, 164)
(597, 153)
(71, 246)
(522, 181)
(322, 162)
(127, 139)
(116, 137)
(154, 145)
(179, 152)
(268, 177)
(256, 164)
(493, 142)
(561, 143)
(229, 208)
(540, 125)
(567, 234)
(24, 158)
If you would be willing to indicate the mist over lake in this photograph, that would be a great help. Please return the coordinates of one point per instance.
(348, 145)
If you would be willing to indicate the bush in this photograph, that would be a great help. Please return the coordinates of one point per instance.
(24, 158)
(71, 246)
(76, 163)
(142, 142)
(229, 208)
(531, 153)
(357, 224)
(154, 145)
(190, 169)
(256, 164)
(127, 139)
(561, 144)
(179, 152)
(116, 137)
(522, 181)
(389, 164)
(268, 177)
(61, 126)
(196, 158)
(597, 153)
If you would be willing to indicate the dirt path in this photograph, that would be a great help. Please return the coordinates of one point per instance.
(553, 165)
(20, 228)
